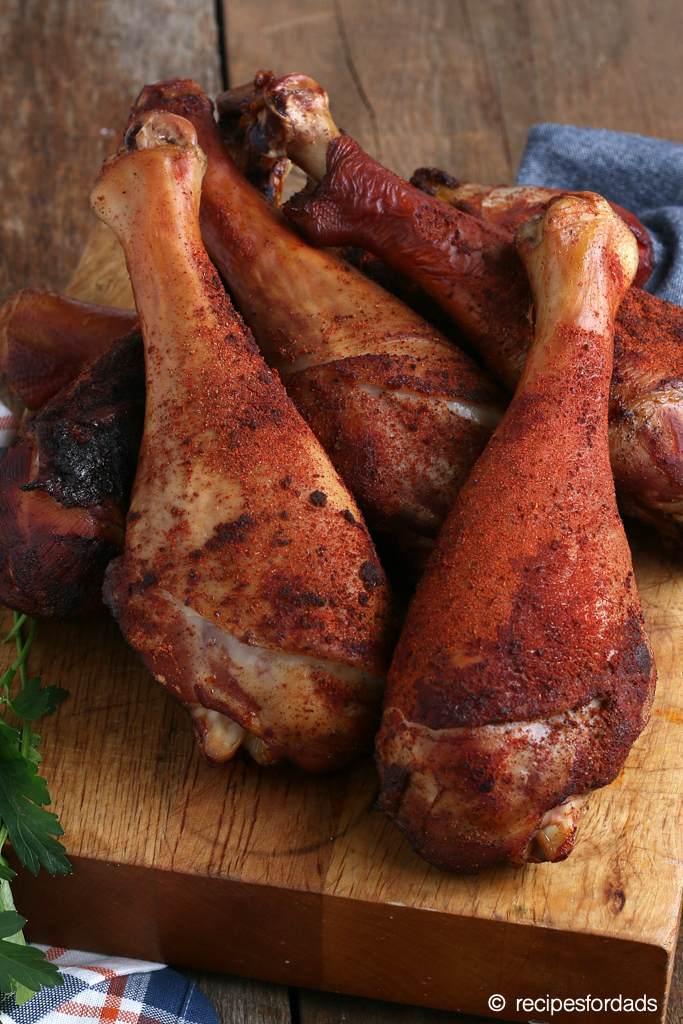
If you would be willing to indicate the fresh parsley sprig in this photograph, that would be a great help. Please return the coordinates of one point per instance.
(24, 822)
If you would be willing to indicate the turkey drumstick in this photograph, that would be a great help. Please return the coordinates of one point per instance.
(402, 414)
(523, 674)
(472, 269)
(248, 584)
(65, 485)
(47, 339)
(509, 206)
(646, 396)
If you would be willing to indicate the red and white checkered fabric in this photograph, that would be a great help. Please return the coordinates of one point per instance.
(110, 990)
(8, 426)
(92, 968)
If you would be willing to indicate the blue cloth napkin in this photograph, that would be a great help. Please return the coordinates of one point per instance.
(644, 175)
(111, 990)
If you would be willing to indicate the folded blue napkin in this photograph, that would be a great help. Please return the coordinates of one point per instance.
(643, 175)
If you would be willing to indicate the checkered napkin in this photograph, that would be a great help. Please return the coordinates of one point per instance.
(642, 174)
(111, 990)
(8, 428)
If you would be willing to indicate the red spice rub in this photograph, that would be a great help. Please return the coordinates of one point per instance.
(317, 319)
(528, 611)
(472, 269)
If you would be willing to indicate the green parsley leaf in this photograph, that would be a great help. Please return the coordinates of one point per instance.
(33, 754)
(26, 966)
(32, 702)
(10, 923)
(31, 829)
(9, 732)
(12, 920)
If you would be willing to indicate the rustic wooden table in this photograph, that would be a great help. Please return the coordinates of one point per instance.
(455, 83)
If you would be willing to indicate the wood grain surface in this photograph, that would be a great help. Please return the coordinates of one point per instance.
(243, 1001)
(334, 1008)
(455, 84)
(70, 70)
(101, 275)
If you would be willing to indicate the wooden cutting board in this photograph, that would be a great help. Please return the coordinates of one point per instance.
(271, 874)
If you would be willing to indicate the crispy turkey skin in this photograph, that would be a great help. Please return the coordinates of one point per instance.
(469, 265)
(248, 585)
(46, 340)
(523, 674)
(65, 484)
(402, 414)
(509, 206)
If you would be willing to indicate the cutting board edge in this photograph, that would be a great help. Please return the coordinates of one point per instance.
(333, 943)
(655, 941)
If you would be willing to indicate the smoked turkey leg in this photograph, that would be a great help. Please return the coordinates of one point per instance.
(47, 339)
(523, 674)
(65, 486)
(248, 585)
(402, 413)
(471, 268)
(509, 206)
